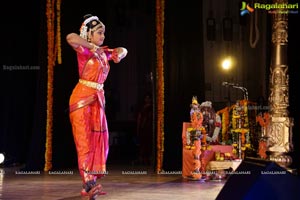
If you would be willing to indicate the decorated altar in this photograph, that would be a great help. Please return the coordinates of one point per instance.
(200, 141)
(218, 140)
(240, 128)
(195, 167)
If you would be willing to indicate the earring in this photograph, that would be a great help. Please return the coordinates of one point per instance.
(89, 36)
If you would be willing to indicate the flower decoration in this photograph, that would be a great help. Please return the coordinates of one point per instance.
(54, 49)
(263, 119)
(225, 122)
(262, 148)
(160, 6)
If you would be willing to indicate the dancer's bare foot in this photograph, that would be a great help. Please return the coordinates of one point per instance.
(84, 193)
(95, 191)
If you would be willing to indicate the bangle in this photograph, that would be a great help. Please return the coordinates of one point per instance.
(95, 48)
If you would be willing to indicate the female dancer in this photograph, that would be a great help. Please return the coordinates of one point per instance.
(87, 102)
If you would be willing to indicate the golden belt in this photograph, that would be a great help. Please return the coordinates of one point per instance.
(91, 84)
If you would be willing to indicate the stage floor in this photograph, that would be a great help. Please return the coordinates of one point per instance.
(121, 183)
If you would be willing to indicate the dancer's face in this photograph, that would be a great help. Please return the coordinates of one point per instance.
(98, 36)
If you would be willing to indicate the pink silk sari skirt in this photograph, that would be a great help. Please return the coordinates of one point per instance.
(90, 134)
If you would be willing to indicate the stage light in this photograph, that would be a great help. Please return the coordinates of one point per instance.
(226, 64)
(2, 158)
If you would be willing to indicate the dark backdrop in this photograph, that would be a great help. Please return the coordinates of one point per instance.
(184, 75)
(23, 92)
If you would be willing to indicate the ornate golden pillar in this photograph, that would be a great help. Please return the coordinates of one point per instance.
(280, 130)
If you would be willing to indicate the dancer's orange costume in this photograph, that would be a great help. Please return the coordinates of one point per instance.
(87, 113)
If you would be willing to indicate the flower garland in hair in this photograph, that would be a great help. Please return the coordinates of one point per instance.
(83, 31)
(160, 81)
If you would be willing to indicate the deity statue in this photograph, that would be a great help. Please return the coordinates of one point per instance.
(211, 122)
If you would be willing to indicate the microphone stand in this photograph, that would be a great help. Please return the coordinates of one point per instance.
(245, 91)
